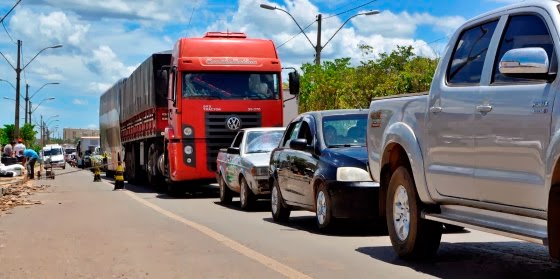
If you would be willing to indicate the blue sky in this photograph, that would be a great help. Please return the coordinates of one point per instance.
(105, 40)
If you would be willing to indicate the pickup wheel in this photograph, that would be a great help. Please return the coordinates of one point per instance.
(411, 236)
(225, 193)
(246, 196)
(280, 213)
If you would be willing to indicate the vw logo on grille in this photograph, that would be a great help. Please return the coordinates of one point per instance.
(233, 123)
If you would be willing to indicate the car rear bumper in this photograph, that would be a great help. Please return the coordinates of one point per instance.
(354, 200)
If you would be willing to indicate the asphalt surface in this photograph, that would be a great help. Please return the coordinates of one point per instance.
(86, 230)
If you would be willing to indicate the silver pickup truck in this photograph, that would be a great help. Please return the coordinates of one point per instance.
(243, 167)
(481, 150)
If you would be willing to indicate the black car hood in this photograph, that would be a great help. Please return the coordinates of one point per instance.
(347, 156)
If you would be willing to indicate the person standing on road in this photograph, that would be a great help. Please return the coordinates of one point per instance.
(31, 158)
(18, 150)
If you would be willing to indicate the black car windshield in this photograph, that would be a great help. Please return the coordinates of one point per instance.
(345, 130)
(230, 86)
(262, 141)
(52, 152)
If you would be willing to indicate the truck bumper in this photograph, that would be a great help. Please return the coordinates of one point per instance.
(354, 200)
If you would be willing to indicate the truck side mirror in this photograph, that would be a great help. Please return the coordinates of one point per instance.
(293, 80)
(529, 62)
(298, 144)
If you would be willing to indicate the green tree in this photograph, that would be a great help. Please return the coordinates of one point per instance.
(28, 134)
(337, 84)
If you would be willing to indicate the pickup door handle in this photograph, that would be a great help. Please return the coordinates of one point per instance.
(435, 109)
(484, 108)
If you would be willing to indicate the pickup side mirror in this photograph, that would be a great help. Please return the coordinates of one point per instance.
(298, 144)
(529, 62)
(293, 80)
(233, 150)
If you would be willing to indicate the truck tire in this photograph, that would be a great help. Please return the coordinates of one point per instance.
(154, 177)
(246, 196)
(225, 192)
(412, 237)
(130, 163)
(280, 212)
(323, 209)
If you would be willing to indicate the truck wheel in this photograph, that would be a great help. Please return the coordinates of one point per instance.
(246, 196)
(280, 213)
(225, 193)
(130, 163)
(323, 208)
(411, 236)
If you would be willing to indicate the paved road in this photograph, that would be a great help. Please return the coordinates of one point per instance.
(86, 230)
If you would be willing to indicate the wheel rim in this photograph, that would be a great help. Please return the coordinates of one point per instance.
(321, 207)
(274, 200)
(401, 213)
(243, 193)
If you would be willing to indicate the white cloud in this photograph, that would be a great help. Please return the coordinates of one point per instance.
(79, 102)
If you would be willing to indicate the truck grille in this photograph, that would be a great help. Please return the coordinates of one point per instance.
(218, 135)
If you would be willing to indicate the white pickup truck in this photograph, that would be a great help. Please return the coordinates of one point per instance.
(243, 166)
(482, 149)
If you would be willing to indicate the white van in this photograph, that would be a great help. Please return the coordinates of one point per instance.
(53, 154)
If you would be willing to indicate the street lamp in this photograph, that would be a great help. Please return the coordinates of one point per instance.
(18, 70)
(8, 83)
(28, 99)
(37, 106)
(318, 47)
(11, 99)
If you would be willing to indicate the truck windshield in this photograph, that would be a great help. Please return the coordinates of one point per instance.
(345, 130)
(228, 86)
(262, 141)
(52, 152)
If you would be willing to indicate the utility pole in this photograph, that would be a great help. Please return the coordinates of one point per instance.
(42, 132)
(27, 120)
(318, 47)
(18, 72)
(29, 111)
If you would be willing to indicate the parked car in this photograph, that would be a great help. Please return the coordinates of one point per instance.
(482, 149)
(53, 155)
(243, 167)
(320, 165)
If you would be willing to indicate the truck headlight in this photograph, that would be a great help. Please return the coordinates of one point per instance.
(188, 150)
(352, 174)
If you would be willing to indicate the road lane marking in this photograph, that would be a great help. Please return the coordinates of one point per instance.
(240, 248)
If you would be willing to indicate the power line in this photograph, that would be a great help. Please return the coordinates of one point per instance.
(192, 13)
(10, 11)
(352, 9)
(279, 46)
(5, 29)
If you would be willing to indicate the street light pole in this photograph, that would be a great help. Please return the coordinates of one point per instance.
(18, 72)
(317, 47)
(28, 100)
(18, 69)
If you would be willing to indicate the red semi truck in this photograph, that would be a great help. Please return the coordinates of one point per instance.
(178, 108)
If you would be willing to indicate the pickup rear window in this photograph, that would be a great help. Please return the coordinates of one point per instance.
(469, 54)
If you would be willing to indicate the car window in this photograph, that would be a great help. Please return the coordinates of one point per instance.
(523, 31)
(237, 140)
(345, 130)
(465, 67)
(291, 133)
(262, 141)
